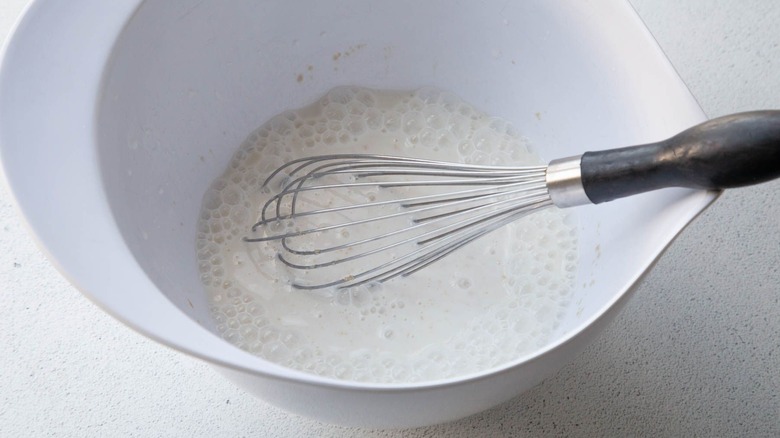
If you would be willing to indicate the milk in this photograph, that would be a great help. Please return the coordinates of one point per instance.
(492, 301)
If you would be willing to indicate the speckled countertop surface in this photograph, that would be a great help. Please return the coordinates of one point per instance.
(696, 352)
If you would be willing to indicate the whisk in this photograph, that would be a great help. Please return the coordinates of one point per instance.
(362, 219)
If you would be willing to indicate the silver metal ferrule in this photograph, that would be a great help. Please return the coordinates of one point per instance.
(564, 182)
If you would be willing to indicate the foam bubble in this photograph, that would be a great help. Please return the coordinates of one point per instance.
(413, 123)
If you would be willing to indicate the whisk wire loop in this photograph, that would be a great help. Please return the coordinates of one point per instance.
(432, 209)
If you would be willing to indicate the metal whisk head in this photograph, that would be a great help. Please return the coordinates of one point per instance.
(353, 219)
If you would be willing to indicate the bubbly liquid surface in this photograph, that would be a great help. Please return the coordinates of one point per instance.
(492, 301)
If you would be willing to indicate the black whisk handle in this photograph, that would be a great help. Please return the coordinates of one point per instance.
(730, 151)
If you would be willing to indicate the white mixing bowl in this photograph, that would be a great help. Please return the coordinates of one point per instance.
(115, 116)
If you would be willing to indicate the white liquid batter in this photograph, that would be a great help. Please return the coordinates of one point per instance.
(488, 303)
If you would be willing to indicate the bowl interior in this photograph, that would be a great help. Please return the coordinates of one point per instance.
(186, 84)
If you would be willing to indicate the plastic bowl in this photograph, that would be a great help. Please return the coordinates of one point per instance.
(115, 116)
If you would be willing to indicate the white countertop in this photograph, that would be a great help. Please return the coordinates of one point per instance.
(695, 352)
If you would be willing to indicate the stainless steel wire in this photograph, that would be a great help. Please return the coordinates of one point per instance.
(351, 219)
